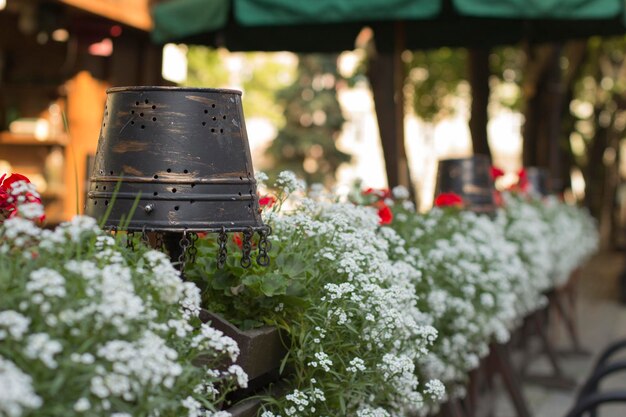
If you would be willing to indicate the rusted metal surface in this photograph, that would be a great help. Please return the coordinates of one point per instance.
(184, 152)
(471, 179)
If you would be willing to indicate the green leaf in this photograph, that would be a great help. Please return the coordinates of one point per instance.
(274, 284)
(223, 280)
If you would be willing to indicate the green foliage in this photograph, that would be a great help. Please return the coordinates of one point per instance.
(438, 78)
(206, 68)
(435, 78)
(258, 74)
(306, 144)
(507, 76)
(249, 297)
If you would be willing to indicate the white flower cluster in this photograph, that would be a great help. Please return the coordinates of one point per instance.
(289, 182)
(364, 300)
(25, 199)
(524, 225)
(16, 390)
(572, 239)
(553, 238)
(118, 327)
(480, 276)
(467, 284)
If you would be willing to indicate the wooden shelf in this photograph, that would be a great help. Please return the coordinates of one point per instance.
(51, 195)
(8, 138)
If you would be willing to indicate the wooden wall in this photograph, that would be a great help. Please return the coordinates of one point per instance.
(34, 74)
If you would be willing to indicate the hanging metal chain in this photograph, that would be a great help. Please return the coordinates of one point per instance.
(193, 250)
(158, 244)
(184, 244)
(130, 240)
(144, 236)
(246, 248)
(222, 251)
(265, 246)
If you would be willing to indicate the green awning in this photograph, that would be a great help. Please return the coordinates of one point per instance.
(540, 9)
(333, 25)
(294, 12)
(179, 19)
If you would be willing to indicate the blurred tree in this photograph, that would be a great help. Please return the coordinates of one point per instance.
(599, 110)
(306, 144)
(258, 74)
(206, 68)
(436, 79)
(439, 78)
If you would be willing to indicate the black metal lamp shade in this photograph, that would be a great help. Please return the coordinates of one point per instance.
(471, 179)
(183, 153)
(538, 181)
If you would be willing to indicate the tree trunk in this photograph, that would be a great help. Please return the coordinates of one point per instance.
(594, 172)
(541, 67)
(386, 75)
(479, 80)
(575, 51)
(555, 95)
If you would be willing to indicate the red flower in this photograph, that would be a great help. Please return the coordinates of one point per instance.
(384, 213)
(237, 239)
(381, 193)
(6, 184)
(497, 198)
(496, 172)
(449, 200)
(10, 200)
(522, 181)
(267, 201)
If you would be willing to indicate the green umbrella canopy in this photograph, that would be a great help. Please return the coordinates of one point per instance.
(305, 26)
(332, 25)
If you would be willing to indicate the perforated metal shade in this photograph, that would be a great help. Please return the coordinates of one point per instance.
(471, 179)
(538, 181)
(183, 152)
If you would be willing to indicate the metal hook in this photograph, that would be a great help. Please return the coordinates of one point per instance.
(222, 251)
(246, 248)
(263, 259)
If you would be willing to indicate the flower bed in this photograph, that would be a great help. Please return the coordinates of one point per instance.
(470, 277)
(89, 327)
(379, 307)
(348, 308)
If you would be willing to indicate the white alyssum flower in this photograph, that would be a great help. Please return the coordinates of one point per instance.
(19, 231)
(400, 192)
(89, 309)
(212, 339)
(289, 182)
(356, 364)
(13, 325)
(48, 282)
(239, 373)
(40, 346)
(169, 280)
(16, 390)
(435, 389)
(82, 405)
(32, 210)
